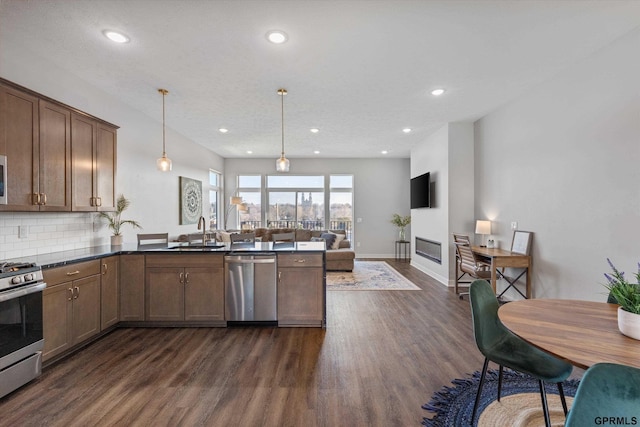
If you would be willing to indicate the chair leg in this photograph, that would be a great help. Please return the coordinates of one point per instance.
(499, 382)
(475, 405)
(564, 401)
(545, 407)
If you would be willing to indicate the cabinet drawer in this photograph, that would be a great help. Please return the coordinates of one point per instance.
(300, 260)
(56, 275)
(185, 260)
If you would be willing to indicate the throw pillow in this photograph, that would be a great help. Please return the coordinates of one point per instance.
(339, 238)
(330, 238)
(317, 239)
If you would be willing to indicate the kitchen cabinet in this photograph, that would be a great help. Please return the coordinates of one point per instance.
(93, 164)
(184, 288)
(109, 292)
(131, 288)
(71, 306)
(35, 135)
(301, 289)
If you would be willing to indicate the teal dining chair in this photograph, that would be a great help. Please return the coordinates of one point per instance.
(499, 345)
(606, 390)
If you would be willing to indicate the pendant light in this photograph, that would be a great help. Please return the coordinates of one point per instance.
(282, 164)
(163, 163)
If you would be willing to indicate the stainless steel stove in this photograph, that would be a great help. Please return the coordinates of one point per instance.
(21, 337)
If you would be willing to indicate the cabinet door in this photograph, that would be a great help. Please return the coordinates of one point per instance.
(132, 288)
(105, 173)
(83, 134)
(109, 292)
(55, 158)
(19, 142)
(56, 319)
(165, 293)
(300, 296)
(86, 308)
(204, 294)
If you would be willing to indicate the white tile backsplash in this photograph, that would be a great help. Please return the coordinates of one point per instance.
(48, 232)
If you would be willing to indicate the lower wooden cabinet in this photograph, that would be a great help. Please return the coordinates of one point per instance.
(131, 272)
(71, 306)
(109, 292)
(184, 288)
(301, 290)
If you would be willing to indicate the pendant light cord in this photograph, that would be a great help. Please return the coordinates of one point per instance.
(164, 151)
(282, 94)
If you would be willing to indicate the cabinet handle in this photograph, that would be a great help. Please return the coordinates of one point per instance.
(301, 260)
(35, 198)
(99, 201)
(186, 278)
(104, 269)
(279, 276)
(92, 201)
(44, 198)
(181, 278)
(73, 273)
(70, 294)
(77, 289)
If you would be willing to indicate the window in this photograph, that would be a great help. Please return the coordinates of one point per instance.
(296, 201)
(250, 189)
(214, 198)
(341, 203)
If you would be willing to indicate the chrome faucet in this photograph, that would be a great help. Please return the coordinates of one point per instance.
(203, 227)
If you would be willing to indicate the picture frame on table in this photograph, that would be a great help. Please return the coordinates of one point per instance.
(521, 243)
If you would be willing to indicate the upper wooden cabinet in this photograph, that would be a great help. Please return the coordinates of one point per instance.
(58, 159)
(93, 164)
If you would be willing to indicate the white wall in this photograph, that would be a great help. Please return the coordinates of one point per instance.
(563, 161)
(448, 155)
(154, 195)
(381, 188)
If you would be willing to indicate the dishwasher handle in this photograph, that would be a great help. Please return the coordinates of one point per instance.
(248, 260)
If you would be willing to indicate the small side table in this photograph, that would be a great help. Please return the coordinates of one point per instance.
(402, 250)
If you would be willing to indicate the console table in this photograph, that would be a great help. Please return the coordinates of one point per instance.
(499, 258)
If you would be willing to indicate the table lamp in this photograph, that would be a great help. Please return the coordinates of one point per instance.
(483, 227)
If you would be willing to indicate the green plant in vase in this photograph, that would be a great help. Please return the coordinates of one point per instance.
(401, 222)
(115, 221)
(628, 296)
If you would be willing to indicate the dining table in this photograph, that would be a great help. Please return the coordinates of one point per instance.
(580, 332)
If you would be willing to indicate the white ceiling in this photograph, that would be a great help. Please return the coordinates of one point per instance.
(358, 70)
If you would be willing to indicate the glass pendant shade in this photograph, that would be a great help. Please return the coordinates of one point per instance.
(282, 164)
(164, 163)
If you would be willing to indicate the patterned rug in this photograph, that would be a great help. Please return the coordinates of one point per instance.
(519, 406)
(368, 276)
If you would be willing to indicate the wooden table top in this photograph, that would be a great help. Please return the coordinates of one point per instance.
(580, 332)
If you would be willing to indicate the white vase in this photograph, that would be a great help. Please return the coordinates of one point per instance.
(629, 323)
(116, 240)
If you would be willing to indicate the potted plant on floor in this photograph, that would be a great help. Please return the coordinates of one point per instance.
(628, 296)
(115, 221)
(401, 222)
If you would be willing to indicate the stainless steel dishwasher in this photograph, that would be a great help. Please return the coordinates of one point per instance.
(250, 287)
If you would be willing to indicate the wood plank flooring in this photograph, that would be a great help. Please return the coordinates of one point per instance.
(381, 357)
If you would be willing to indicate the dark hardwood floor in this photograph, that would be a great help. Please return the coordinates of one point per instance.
(381, 357)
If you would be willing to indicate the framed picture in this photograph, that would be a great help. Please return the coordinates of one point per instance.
(190, 200)
(521, 243)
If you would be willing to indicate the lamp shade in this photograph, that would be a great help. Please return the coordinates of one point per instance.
(483, 227)
(235, 200)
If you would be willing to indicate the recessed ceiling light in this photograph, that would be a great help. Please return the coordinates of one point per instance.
(314, 130)
(116, 36)
(384, 152)
(406, 130)
(316, 152)
(277, 36)
(437, 92)
(223, 130)
(249, 152)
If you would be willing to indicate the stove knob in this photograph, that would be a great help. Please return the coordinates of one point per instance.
(16, 280)
(28, 277)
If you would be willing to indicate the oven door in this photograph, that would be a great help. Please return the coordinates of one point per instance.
(20, 323)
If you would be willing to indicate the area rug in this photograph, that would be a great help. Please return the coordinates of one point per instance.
(368, 276)
(519, 406)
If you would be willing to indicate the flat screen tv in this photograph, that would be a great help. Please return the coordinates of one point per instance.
(420, 197)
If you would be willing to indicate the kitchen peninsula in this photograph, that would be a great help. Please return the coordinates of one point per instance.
(94, 290)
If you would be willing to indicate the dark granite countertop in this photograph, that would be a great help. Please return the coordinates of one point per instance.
(56, 259)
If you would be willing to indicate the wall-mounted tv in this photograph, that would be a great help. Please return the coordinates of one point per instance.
(420, 197)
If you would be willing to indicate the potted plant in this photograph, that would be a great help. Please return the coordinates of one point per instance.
(401, 222)
(115, 221)
(628, 296)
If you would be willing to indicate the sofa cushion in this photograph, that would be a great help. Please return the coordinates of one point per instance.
(337, 241)
(303, 235)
